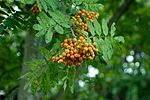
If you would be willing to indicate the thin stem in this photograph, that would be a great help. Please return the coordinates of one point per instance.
(73, 33)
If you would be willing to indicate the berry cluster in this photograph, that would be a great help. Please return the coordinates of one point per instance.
(76, 51)
(81, 17)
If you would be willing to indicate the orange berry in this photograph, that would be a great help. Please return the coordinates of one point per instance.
(83, 11)
(81, 59)
(72, 57)
(84, 56)
(75, 51)
(64, 54)
(94, 44)
(65, 45)
(60, 61)
(65, 41)
(86, 44)
(67, 50)
(71, 52)
(74, 40)
(68, 55)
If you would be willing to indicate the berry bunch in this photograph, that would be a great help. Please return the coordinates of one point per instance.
(76, 51)
(81, 17)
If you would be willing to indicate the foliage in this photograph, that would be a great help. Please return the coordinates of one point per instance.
(118, 79)
(52, 20)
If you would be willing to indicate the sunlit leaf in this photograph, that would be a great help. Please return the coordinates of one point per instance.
(90, 26)
(59, 29)
(97, 27)
(37, 27)
(40, 33)
(119, 39)
(49, 35)
(113, 29)
(104, 27)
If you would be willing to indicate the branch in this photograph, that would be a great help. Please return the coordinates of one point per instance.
(12, 89)
(120, 11)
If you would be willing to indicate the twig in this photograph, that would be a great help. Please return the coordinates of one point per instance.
(73, 33)
(120, 11)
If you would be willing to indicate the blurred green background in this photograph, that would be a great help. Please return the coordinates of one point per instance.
(126, 77)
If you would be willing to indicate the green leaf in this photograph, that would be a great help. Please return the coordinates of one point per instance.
(84, 32)
(49, 35)
(28, 83)
(59, 29)
(107, 50)
(65, 25)
(97, 42)
(45, 19)
(40, 33)
(1, 28)
(1, 18)
(37, 27)
(29, 74)
(45, 52)
(105, 47)
(60, 18)
(39, 5)
(65, 85)
(97, 27)
(119, 39)
(52, 3)
(113, 29)
(104, 27)
(88, 40)
(90, 26)
(51, 22)
(72, 78)
(28, 1)
(44, 4)
(39, 20)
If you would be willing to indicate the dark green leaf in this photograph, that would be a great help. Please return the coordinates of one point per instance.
(1, 18)
(3, 5)
(1, 29)
(3, 12)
